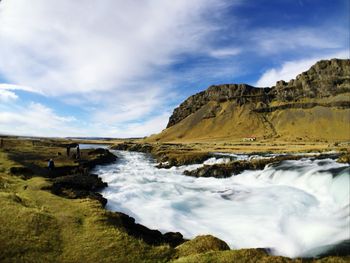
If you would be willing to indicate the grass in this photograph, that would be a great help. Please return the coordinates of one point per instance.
(201, 244)
(235, 122)
(37, 226)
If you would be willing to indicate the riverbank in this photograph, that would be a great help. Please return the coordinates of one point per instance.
(38, 226)
(176, 154)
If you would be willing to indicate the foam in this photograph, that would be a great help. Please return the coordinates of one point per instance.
(295, 208)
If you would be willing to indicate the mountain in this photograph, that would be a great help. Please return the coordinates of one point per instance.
(315, 106)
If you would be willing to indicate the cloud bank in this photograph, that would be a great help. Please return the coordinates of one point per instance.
(65, 47)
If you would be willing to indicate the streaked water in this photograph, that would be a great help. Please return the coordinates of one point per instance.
(296, 208)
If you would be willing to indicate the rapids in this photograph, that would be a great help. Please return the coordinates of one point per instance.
(296, 209)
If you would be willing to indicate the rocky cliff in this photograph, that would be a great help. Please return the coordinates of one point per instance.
(317, 98)
(240, 93)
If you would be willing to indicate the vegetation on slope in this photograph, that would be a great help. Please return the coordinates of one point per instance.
(313, 107)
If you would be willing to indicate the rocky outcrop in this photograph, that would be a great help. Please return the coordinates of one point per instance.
(326, 78)
(98, 156)
(133, 147)
(336, 104)
(150, 236)
(79, 186)
(344, 158)
(167, 155)
(79, 182)
(236, 167)
(241, 93)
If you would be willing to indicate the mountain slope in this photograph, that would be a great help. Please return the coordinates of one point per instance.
(314, 106)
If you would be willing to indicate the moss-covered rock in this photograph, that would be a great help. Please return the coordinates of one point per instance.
(168, 154)
(149, 236)
(236, 167)
(79, 186)
(201, 244)
(344, 158)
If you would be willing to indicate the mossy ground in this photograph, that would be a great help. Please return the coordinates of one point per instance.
(37, 226)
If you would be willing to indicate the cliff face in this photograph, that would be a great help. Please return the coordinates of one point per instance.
(239, 93)
(313, 106)
(326, 78)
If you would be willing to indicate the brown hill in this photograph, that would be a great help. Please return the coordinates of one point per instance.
(315, 107)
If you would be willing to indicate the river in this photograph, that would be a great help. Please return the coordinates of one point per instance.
(297, 208)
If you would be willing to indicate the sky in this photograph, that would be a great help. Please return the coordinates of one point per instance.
(118, 68)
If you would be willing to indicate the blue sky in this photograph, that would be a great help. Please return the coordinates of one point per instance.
(118, 68)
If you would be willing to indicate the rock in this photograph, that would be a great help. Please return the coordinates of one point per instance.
(325, 78)
(77, 181)
(135, 147)
(152, 237)
(99, 156)
(19, 170)
(216, 170)
(174, 158)
(201, 244)
(173, 238)
(341, 249)
(167, 155)
(98, 151)
(236, 167)
(242, 93)
(79, 186)
(344, 158)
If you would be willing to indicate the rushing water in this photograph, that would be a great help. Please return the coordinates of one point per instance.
(297, 208)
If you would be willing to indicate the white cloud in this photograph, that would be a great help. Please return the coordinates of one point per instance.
(63, 47)
(291, 69)
(6, 86)
(151, 126)
(102, 56)
(6, 96)
(36, 119)
(138, 129)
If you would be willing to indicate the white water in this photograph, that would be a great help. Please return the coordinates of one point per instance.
(295, 208)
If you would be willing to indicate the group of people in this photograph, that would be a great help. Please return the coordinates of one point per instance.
(51, 163)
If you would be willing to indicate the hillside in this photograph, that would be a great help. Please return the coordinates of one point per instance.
(315, 106)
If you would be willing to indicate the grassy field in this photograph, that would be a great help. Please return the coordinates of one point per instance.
(38, 226)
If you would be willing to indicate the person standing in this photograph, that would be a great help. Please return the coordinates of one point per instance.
(51, 165)
(78, 152)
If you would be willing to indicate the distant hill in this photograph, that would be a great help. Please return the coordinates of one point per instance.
(313, 106)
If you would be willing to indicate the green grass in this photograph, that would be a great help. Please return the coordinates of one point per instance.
(37, 226)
